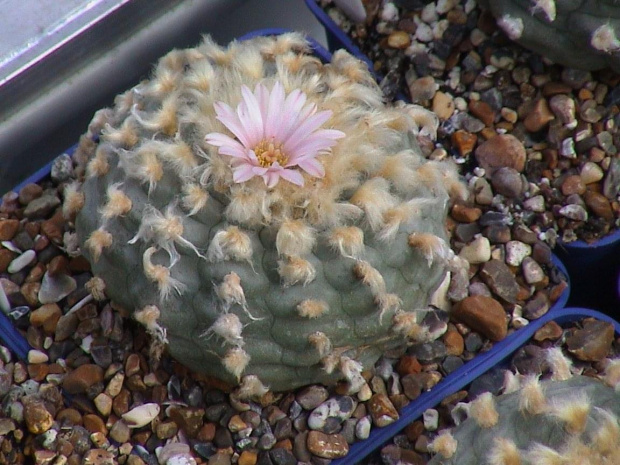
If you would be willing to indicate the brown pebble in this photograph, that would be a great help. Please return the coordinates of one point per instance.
(99, 457)
(482, 111)
(46, 316)
(465, 214)
(8, 229)
(83, 377)
(408, 364)
(454, 342)
(573, 185)
(120, 432)
(69, 417)
(599, 204)
(399, 40)
(190, 420)
(120, 404)
(381, 410)
(248, 457)
(483, 314)
(37, 418)
(592, 342)
(496, 274)
(539, 116)
(464, 141)
(30, 291)
(38, 371)
(58, 265)
(503, 150)
(443, 105)
(94, 423)
(30, 192)
(65, 327)
(550, 331)
(6, 257)
(327, 446)
(422, 89)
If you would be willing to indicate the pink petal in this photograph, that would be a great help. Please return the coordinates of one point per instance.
(293, 176)
(274, 111)
(313, 167)
(227, 145)
(227, 116)
(243, 173)
(271, 178)
(250, 116)
(305, 129)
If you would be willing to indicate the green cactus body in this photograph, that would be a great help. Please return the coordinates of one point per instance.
(272, 286)
(576, 33)
(552, 422)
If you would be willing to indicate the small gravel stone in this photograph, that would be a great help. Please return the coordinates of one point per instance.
(532, 271)
(503, 150)
(497, 275)
(38, 419)
(82, 378)
(312, 396)
(516, 251)
(56, 288)
(381, 410)
(507, 182)
(482, 314)
(477, 251)
(592, 342)
(22, 261)
(330, 446)
(62, 169)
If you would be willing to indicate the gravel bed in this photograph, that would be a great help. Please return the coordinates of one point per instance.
(554, 168)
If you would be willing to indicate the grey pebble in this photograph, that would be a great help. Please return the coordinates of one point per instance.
(22, 261)
(62, 169)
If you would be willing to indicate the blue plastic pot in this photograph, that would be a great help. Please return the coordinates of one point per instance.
(460, 378)
(593, 269)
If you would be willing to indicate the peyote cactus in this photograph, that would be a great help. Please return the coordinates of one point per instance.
(576, 33)
(564, 420)
(265, 250)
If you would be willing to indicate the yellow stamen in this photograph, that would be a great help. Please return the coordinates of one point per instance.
(267, 153)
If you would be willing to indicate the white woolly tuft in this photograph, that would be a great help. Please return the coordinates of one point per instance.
(96, 287)
(142, 164)
(98, 165)
(178, 155)
(74, 200)
(165, 229)
(348, 240)
(228, 327)
(295, 270)
(532, 398)
(444, 444)
(573, 411)
(251, 387)
(148, 317)
(230, 293)
(543, 455)
(483, 410)
(404, 213)
(164, 120)
(160, 275)
(560, 364)
(235, 361)
(371, 277)
(352, 371)
(118, 204)
(321, 343)
(312, 308)
(375, 199)
(513, 27)
(230, 244)
(504, 452)
(194, 198)
(295, 238)
(612, 374)
(604, 39)
(97, 241)
(387, 303)
(125, 137)
(512, 382)
(406, 324)
(547, 7)
(431, 247)
(426, 122)
(606, 438)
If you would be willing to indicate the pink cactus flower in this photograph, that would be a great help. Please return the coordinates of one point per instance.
(275, 135)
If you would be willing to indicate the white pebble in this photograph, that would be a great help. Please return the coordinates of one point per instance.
(86, 343)
(535, 204)
(516, 251)
(443, 6)
(362, 428)
(21, 262)
(429, 13)
(477, 251)
(36, 356)
(431, 419)
(519, 322)
(389, 12)
(12, 247)
(574, 212)
(142, 415)
(567, 148)
(439, 28)
(424, 33)
(460, 103)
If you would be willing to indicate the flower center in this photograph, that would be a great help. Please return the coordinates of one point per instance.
(268, 152)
